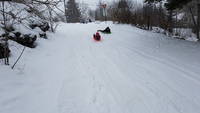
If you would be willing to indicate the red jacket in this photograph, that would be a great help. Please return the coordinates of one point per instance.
(97, 36)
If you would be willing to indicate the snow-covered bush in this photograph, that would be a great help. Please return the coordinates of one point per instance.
(180, 33)
(24, 21)
(184, 33)
(27, 18)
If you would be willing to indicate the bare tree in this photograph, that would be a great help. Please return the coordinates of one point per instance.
(5, 43)
(65, 8)
(198, 20)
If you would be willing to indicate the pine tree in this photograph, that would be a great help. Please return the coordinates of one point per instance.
(72, 12)
(123, 11)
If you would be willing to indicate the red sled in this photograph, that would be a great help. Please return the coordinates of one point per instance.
(97, 37)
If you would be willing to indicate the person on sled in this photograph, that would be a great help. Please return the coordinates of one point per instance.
(107, 30)
(97, 36)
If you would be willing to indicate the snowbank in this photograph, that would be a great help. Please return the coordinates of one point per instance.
(181, 33)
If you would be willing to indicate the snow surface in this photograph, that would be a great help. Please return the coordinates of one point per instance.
(180, 33)
(129, 71)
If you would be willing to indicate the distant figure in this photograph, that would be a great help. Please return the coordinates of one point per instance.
(107, 30)
(97, 36)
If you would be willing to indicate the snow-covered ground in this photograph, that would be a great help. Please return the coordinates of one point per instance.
(180, 33)
(129, 71)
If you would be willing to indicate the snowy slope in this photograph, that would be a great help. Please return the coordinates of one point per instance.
(129, 71)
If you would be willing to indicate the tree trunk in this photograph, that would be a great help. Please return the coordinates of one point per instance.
(148, 22)
(65, 10)
(6, 45)
(198, 20)
(170, 21)
(4, 17)
(160, 15)
(196, 24)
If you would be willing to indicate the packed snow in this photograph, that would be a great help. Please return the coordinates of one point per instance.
(129, 71)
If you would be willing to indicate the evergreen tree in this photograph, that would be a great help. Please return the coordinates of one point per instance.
(171, 4)
(123, 13)
(179, 4)
(72, 12)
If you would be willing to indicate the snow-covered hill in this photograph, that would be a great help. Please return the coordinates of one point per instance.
(129, 71)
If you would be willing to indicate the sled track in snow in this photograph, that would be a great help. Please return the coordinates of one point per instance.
(129, 71)
(112, 89)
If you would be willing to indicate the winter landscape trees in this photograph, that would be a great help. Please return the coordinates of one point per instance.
(178, 18)
(177, 5)
(73, 14)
